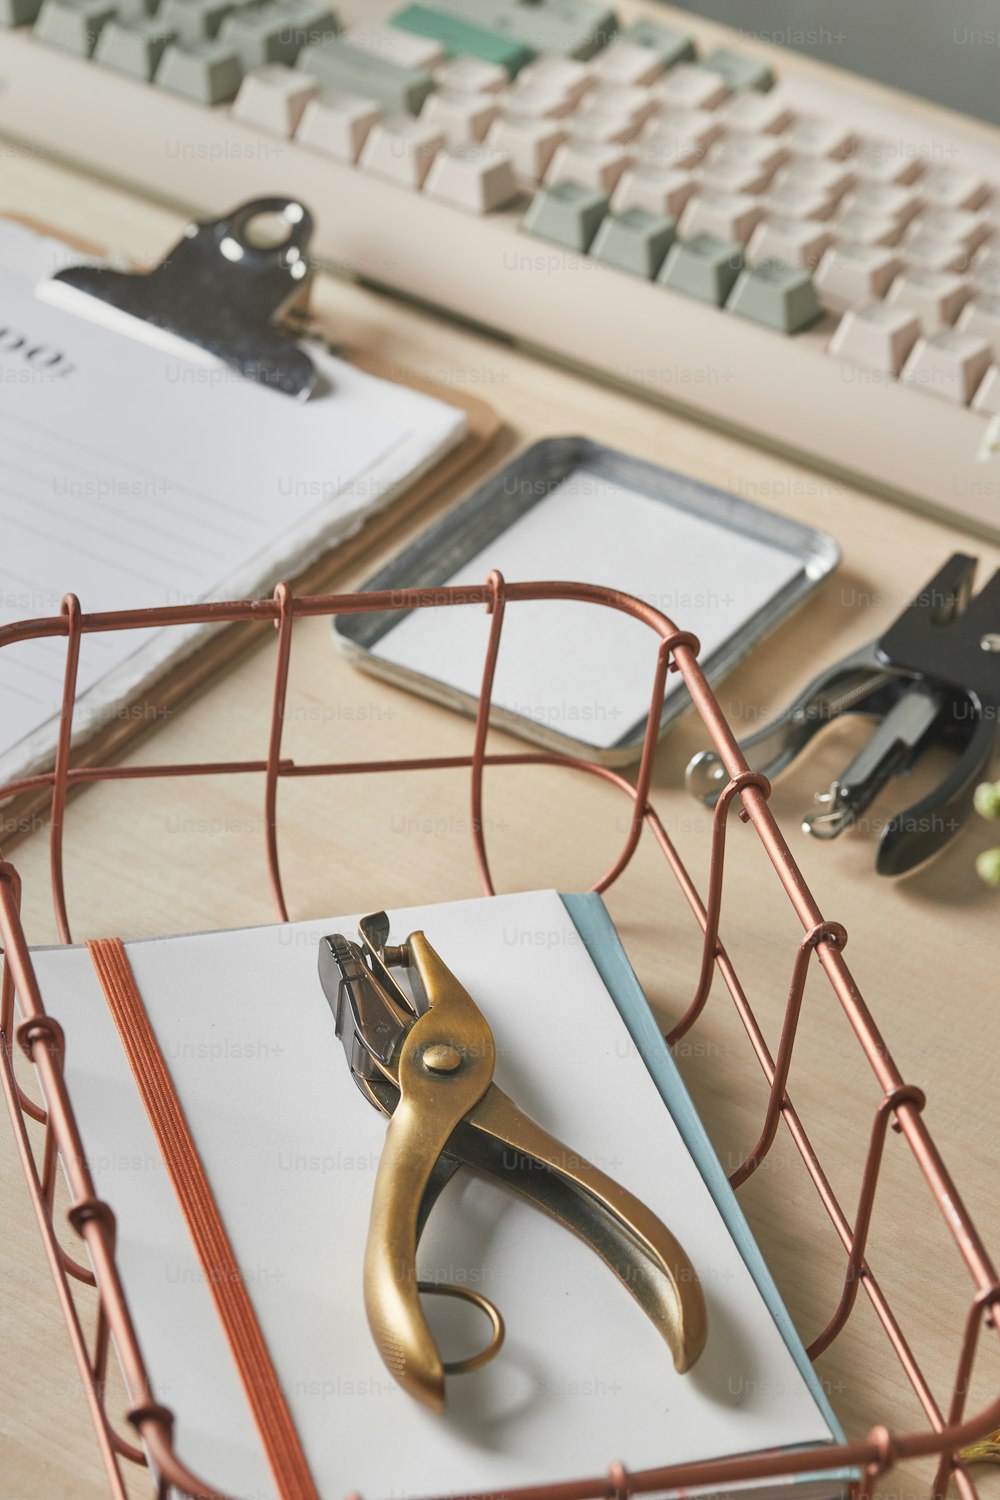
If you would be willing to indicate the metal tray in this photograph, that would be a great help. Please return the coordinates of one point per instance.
(434, 556)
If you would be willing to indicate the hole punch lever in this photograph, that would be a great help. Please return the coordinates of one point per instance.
(932, 678)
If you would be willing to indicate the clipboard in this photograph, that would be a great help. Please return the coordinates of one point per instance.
(257, 335)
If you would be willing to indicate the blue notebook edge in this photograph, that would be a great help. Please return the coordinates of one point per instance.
(593, 922)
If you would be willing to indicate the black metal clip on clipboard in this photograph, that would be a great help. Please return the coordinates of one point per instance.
(221, 290)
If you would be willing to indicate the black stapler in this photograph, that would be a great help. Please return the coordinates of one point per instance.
(933, 678)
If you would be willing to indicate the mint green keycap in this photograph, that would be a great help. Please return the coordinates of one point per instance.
(779, 296)
(461, 38)
(568, 214)
(311, 22)
(739, 71)
(259, 35)
(571, 28)
(343, 69)
(73, 25)
(18, 12)
(669, 45)
(703, 267)
(134, 48)
(635, 241)
(208, 72)
(194, 21)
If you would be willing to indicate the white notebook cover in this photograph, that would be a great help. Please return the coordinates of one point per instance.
(291, 1147)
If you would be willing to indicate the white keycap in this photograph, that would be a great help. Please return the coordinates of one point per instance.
(749, 150)
(877, 336)
(987, 397)
(726, 216)
(530, 144)
(887, 161)
(477, 178)
(619, 99)
(831, 178)
(733, 177)
(790, 202)
(936, 297)
(850, 275)
(666, 153)
(884, 200)
(795, 242)
(812, 135)
(699, 126)
(928, 253)
(625, 62)
(958, 225)
(274, 98)
(392, 45)
(950, 187)
(467, 75)
(985, 270)
(653, 190)
(464, 118)
(338, 125)
(865, 229)
(559, 75)
(589, 162)
(950, 366)
(402, 149)
(689, 86)
(755, 113)
(538, 103)
(981, 317)
(604, 127)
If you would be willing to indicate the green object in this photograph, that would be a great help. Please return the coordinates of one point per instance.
(703, 267)
(570, 28)
(635, 241)
(194, 21)
(568, 214)
(18, 12)
(738, 71)
(778, 296)
(986, 799)
(670, 45)
(348, 70)
(462, 39)
(208, 72)
(260, 35)
(134, 49)
(73, 25)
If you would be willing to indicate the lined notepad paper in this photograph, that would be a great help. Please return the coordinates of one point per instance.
(134, 478)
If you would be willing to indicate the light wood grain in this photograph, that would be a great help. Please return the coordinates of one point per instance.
(169, 856)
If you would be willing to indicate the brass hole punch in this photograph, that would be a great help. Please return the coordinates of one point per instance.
(427, 1063)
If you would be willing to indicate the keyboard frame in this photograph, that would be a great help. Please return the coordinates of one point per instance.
(796, 399)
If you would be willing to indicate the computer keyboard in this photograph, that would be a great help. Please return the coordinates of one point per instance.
(782, 256)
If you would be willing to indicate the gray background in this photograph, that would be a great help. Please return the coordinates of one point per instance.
(945, 50)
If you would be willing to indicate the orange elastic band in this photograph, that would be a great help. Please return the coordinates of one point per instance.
(184, 1166)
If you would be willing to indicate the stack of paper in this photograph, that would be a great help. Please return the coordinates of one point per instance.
(291, 1148)
(138, 477)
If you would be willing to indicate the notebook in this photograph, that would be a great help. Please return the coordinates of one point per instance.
(135, 475)
(291, 1147)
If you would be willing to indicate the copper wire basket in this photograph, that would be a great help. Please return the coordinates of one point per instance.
(40, 1036)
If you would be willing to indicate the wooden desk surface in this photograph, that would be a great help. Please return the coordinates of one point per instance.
(166, 856)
